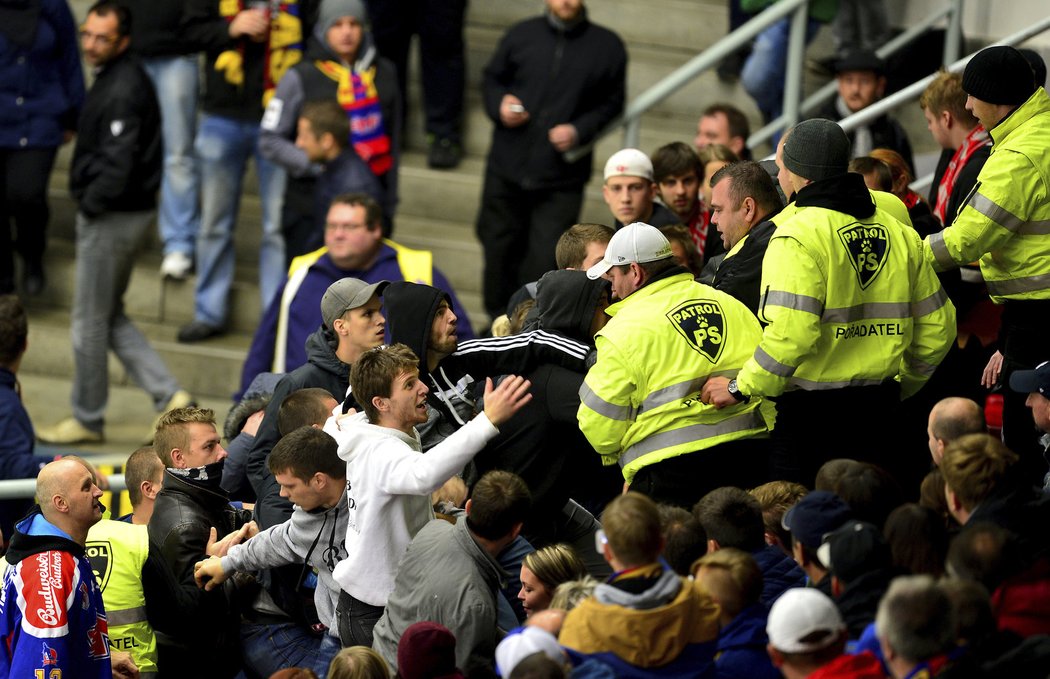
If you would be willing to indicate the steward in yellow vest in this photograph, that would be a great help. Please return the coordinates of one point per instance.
(856, 317)
(640, 404)
(118, 551)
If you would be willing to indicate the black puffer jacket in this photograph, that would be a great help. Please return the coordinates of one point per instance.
(208, 623)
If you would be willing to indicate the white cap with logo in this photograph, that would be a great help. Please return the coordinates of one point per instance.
(629, 163)
(803, 620)
(636, 242)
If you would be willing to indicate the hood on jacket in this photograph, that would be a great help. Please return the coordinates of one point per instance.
(843, 193)
(320, 351)
(410, 311)
(24, 545)
(355, 434)
(566, 301)
(648, 638)
(318, 46)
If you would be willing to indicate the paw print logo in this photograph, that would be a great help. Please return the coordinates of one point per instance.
(865, 245)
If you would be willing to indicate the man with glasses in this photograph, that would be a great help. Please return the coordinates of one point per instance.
(353, 247)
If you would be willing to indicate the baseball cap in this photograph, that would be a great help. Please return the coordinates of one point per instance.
(516, 647)
(1030, 381)
(799, 616)
(346, 294)
(636, 242)
(629, 163)
(816, 515)
(853, 550)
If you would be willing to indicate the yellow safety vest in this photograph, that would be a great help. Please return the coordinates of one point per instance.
(849, 302)
(417, 266)
(118, 551)
(1005, 223)
(640, 402)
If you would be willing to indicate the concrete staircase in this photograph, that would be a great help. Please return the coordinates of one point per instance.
(437, 208)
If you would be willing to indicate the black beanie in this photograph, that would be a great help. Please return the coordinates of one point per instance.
(817, 149)
(999, 75)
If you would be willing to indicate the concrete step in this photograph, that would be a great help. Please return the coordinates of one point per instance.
(128, 417)
(211, 368)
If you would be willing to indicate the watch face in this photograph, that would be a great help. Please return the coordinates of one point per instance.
(732, 385)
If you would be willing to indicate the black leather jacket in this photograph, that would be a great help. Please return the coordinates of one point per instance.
(186, 617)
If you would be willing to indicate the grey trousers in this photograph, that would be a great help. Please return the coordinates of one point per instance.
(105, 252)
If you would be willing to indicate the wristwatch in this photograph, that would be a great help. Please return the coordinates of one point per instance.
(734, 391)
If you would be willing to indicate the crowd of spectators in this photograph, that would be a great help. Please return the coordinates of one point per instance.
(691, 445)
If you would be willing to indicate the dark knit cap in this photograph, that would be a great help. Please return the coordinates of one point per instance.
(1035, 60)
(861, 60)
(817, 149)
(999, 75)
(427, 650)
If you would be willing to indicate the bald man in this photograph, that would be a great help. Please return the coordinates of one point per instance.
(951, 418)
(51, 612)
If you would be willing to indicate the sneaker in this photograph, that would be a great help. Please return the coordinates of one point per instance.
(444, 154)
(176, 265)
(180, 399)
(68, 431)
(196, 331)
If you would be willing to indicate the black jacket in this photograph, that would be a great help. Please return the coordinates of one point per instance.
(886, 133)
(542, 443)
(322, 369)
(118, 159)
(577, 76)
(964, 183)
(410, 309)
(207, 624)
(741, 274)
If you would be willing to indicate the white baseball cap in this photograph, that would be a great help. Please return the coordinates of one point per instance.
(629, 163)
(800, 613)
(636, 242)
(516, 647)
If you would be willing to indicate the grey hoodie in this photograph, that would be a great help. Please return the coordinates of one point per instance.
(319, 536)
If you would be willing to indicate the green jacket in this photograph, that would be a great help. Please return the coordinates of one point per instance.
(640, 401)
(1006, 221)
(849, 299)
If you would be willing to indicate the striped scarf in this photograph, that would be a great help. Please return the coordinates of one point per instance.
(358, 96)
(284, 47)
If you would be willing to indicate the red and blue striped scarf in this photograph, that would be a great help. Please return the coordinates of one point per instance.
(358, 96)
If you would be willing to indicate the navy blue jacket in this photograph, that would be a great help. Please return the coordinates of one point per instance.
(779, 573)
(17, 460)
(742, 647)
(42, 86)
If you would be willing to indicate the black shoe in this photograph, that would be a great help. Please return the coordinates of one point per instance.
(196, 331)
(444, 154)
(33, 279)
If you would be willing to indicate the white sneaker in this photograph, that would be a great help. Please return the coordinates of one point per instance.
(176, 265)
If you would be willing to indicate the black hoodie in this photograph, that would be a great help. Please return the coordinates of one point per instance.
(542, 443)
(410, 310)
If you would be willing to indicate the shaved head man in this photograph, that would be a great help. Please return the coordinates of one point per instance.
(950, 419)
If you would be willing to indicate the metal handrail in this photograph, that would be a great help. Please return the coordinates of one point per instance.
(951, 52)
(867, 115)
(687, 72)
(17, 489)
(793, 107)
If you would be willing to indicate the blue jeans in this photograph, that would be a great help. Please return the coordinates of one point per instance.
(765, 70)
(224, 146)
(106, 251)
(176, 80)
(268, 648)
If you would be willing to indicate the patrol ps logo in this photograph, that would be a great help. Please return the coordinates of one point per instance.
(100, 554)
(868, 246)
(702, 323)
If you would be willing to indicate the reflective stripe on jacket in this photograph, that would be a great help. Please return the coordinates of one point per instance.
(640, 401)
(1005, 222)
(849, 302)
